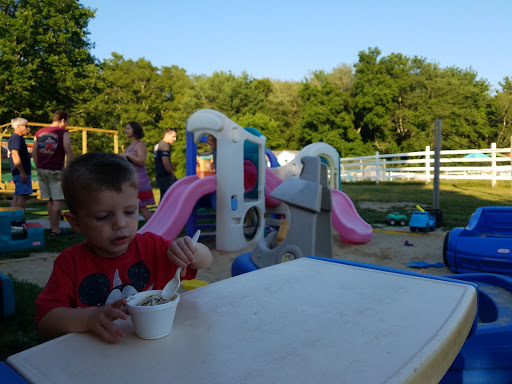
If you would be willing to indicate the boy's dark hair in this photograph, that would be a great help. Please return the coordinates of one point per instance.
(59, 115)
(95, 171)
(138, 132)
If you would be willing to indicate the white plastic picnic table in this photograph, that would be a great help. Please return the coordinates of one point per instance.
(303, 321)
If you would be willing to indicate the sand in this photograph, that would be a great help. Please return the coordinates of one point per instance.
(386, 248)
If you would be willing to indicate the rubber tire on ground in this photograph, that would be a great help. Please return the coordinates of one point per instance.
(392, 222)
(445, 249)
(402, 222)
(413, 229)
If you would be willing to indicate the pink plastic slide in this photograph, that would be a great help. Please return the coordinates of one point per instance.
(347, 222)
(179, 201)
(177, 205)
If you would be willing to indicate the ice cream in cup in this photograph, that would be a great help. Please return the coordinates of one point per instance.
(152, 316)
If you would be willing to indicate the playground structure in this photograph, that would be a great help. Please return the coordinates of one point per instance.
(485, 356)
(241, 160)
(328, 155)
(310, 203)
(15, 234)
(484, 245)
(232, 200)
(481, 253)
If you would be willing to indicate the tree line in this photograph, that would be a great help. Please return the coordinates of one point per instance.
(385, 103)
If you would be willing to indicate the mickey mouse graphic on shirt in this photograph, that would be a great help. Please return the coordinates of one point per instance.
(48, 143)
(95, 288)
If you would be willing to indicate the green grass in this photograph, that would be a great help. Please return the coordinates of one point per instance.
(458, 200)
(18, 332)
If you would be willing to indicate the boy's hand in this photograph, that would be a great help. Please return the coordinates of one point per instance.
(101, 321)
(181, 252)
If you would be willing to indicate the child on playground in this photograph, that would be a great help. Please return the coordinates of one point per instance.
(91, 280)
(212, 142)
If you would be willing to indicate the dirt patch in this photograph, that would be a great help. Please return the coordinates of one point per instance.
(386, 248)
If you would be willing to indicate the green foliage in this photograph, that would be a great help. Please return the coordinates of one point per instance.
(45, 57)
(503, 113)
(385, 103)
(326, 113)
(19, 332)
(398, 99)
(458, 200)
(233, 95)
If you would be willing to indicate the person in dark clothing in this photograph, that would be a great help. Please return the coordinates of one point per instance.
(165, 176)
(19, 158)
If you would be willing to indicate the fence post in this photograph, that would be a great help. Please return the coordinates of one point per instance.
(493, 164)
(437, 162)
(377, 169)
(427, 164)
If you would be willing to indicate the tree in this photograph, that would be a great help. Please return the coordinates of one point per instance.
(461, 101)
(326, 114)
(45, 59)
(398, 99)
(233, 95)
(504, 113)
(137, 90)
(282, 107)
(379, 88)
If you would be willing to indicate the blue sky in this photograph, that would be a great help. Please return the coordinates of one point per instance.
(286, 40)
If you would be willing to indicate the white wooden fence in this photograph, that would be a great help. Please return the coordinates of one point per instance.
(420, 166)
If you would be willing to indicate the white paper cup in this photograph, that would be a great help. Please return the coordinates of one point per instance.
(152, 322)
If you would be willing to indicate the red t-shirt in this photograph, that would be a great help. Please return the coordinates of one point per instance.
(82, 279)
(50, 148)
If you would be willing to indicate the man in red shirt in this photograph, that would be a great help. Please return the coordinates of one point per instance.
(52, 146)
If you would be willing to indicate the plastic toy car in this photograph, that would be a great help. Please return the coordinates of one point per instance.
(484, 245)
(422, 220)
(396, 218)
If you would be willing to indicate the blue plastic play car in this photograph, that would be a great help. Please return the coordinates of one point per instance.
(422, 221)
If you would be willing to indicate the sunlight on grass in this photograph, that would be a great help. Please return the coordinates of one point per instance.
(457, 200)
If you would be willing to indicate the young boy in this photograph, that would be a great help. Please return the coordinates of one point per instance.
(91, 280)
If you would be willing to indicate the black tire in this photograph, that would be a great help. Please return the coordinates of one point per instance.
(402, 222)
(392, 222)
(413, 229)
(445, 249)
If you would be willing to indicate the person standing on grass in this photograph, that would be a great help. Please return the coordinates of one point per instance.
(19, 158)
(165, 176)
(136, 153)
(52, 146)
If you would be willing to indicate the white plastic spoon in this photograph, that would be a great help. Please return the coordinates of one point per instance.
(172, 286)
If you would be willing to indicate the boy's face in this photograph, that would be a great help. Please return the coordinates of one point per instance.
(109, 220)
